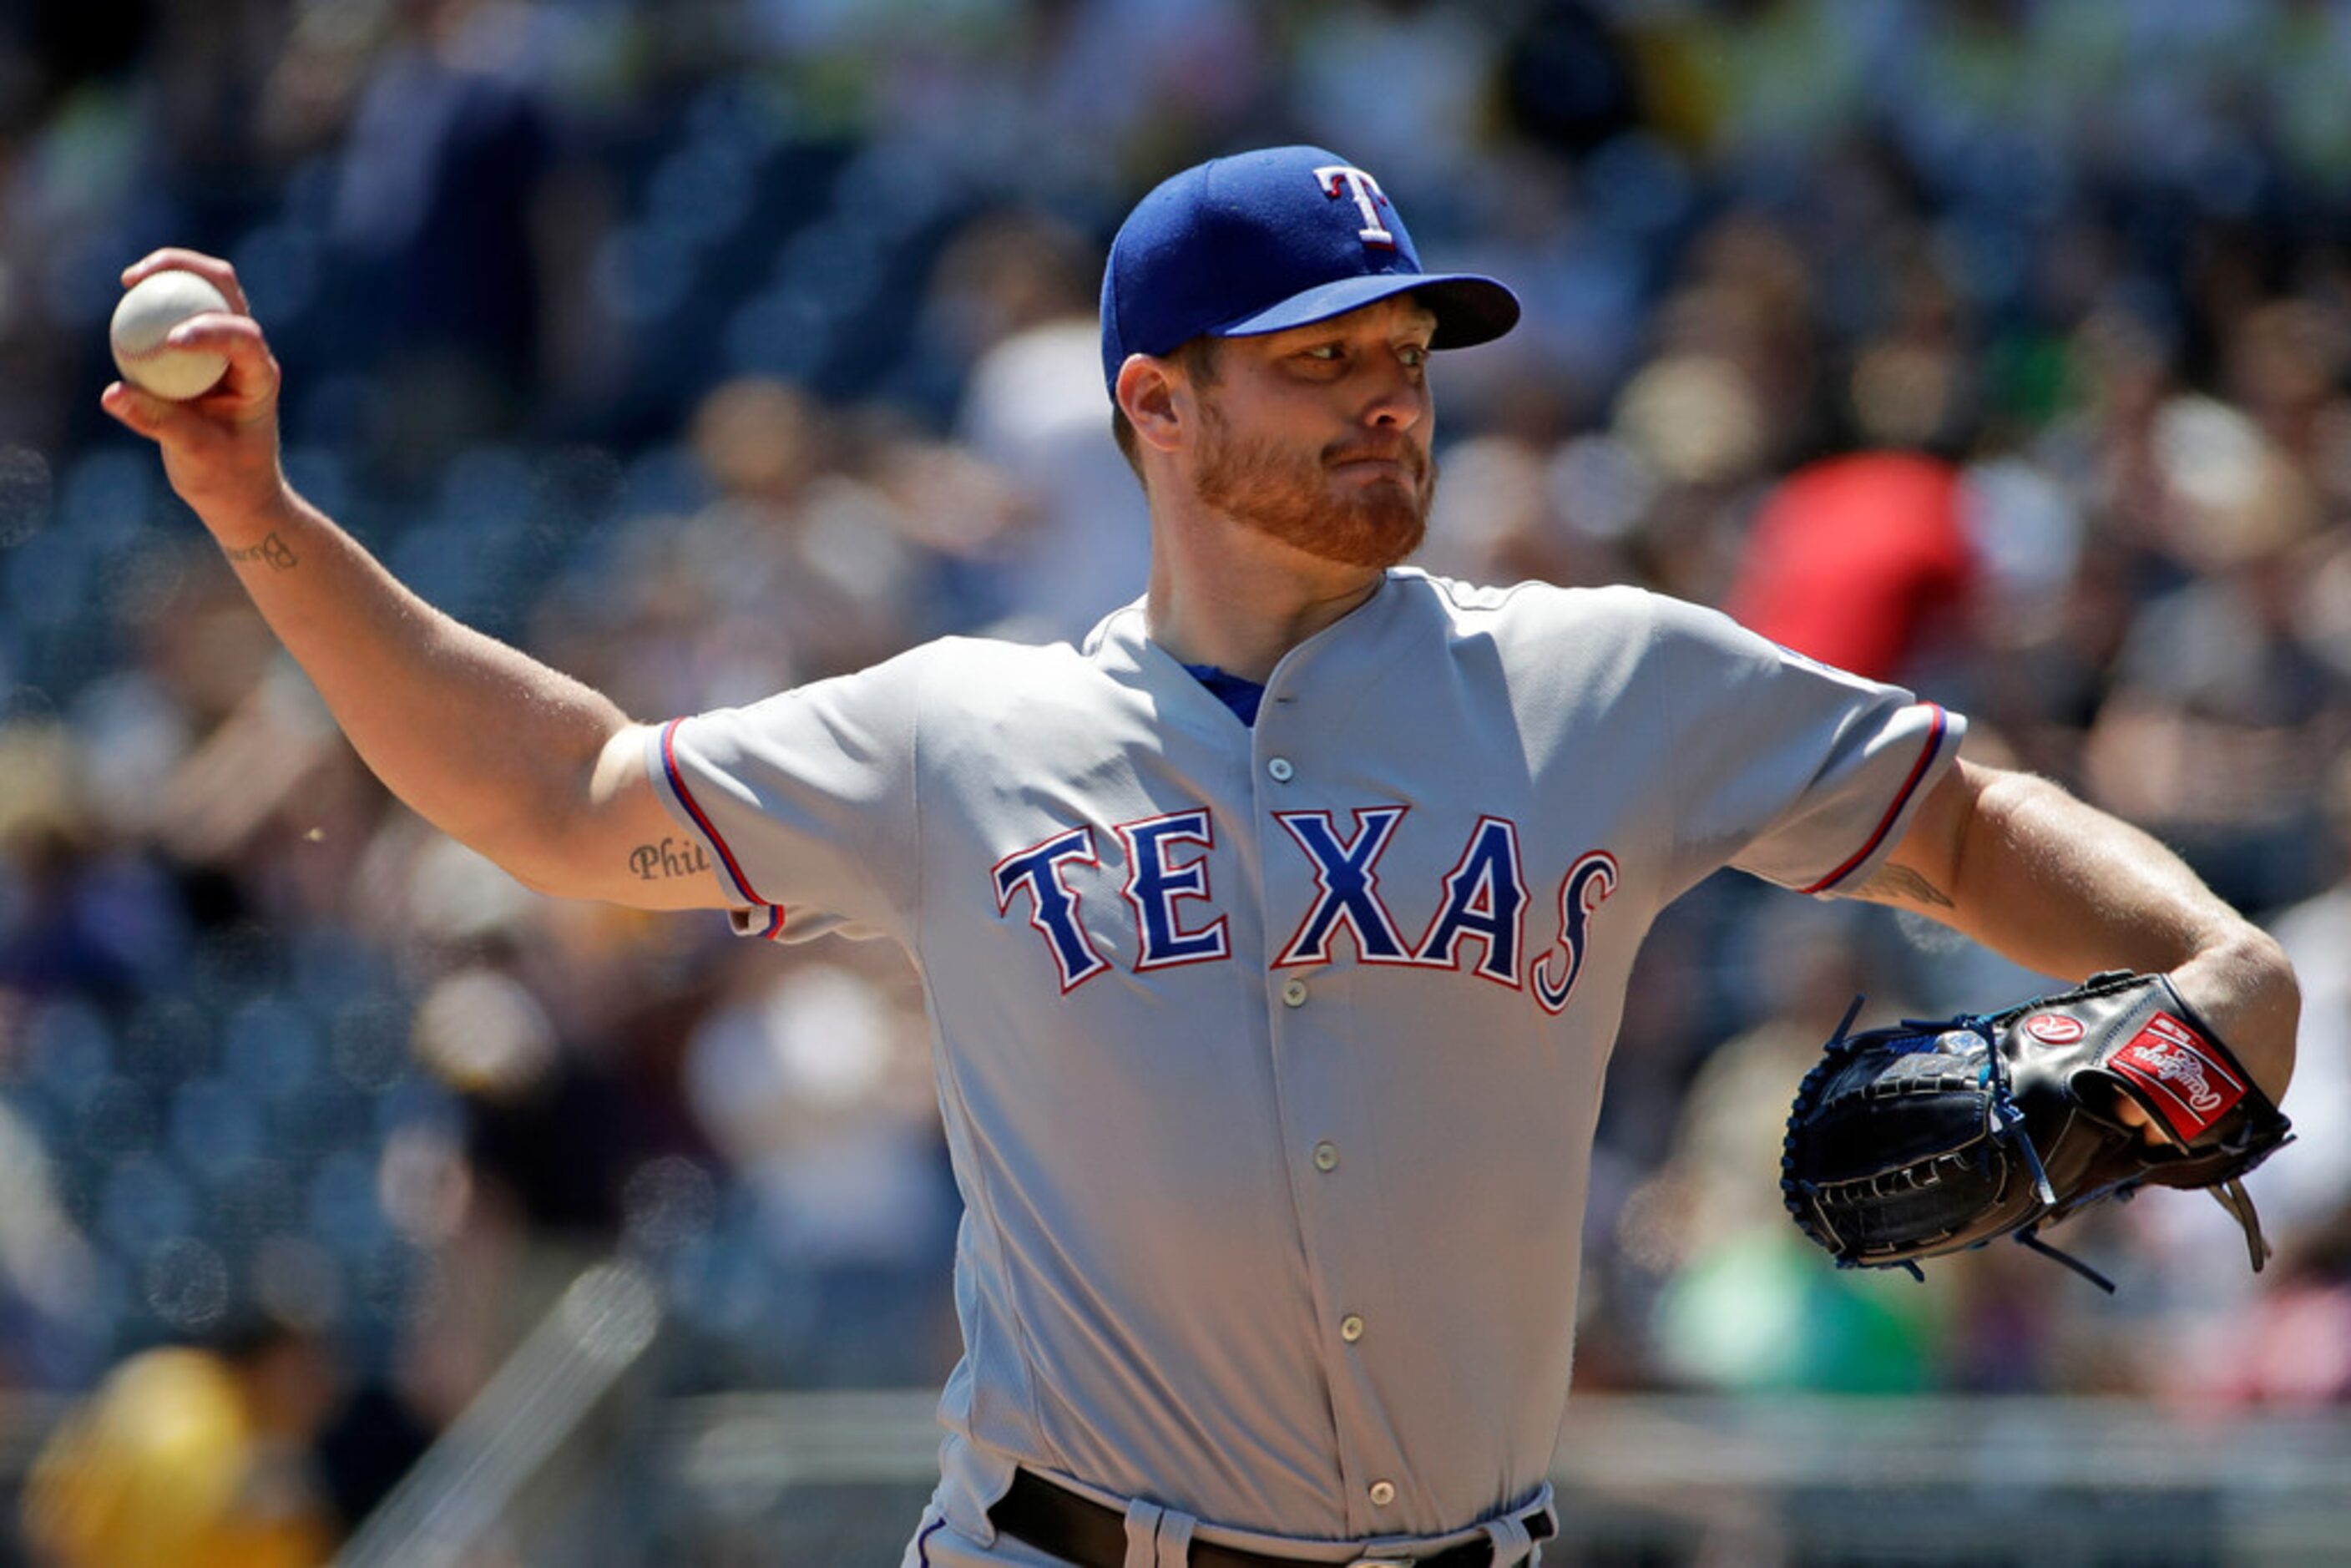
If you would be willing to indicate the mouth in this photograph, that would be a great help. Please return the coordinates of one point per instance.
(1401, 463)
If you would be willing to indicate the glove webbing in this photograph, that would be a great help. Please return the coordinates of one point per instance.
(2007, 1125)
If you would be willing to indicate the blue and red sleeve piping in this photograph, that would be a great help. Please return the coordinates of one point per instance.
(1937, 731)
(764, 917)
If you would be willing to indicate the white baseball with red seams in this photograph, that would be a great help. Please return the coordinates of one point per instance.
(145, 317)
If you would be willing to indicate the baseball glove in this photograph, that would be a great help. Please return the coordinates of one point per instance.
(1931, 1137)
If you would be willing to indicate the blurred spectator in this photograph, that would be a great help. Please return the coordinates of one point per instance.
(1423, 69)
(541, 1179)
(816, 1084)
(2278, 1338)
(1022, 292)
(575, 299)
(519, 1197)
(1568, 81)
(1863, 560)
(436, 272)
(192, 1458)
(47, 1275)
(1859, 562)
(2220, 721)
(2294, 1348)
(2306, 1194)
(1745, 1304)
(808, 579)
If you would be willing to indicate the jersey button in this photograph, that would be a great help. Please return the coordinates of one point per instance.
(1280, 770)
(1351, 1328)
(1294, 994)
(1326, 1156)
(1383, 1493)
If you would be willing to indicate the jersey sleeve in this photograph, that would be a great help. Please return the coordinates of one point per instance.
(1801, 774)
(804, 802)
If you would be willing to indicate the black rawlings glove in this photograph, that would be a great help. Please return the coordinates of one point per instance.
(1934, 1137)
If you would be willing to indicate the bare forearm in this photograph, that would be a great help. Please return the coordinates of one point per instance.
(527, 765)
(2064, 888)
(485, 743)
(2057, 883)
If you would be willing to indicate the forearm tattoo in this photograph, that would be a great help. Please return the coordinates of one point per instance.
(670, 858)
(276, 552)
(1899, 881)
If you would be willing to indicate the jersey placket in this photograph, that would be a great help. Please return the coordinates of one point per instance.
(1330, 1148)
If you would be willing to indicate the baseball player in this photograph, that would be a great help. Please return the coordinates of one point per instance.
(1275, 939)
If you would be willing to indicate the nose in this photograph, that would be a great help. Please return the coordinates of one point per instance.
(1399, 397)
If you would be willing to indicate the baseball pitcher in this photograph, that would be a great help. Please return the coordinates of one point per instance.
(1275, 938)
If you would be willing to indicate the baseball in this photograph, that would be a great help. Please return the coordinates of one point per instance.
(149, 312)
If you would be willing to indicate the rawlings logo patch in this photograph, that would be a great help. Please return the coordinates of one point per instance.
(2172, 1062)
(2055, 1029)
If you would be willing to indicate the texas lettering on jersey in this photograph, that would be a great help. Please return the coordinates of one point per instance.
(1479, 923)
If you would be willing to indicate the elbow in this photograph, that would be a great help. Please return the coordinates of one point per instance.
(530, 882)
(2275, 979)
(548, 838)
(527, 870)
(2265, 1006)
(2268, 972)
(522, 847)
(543, 868)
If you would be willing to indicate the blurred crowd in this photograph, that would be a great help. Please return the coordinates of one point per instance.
(705, 346)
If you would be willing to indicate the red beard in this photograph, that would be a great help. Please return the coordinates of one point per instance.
(1273, 489)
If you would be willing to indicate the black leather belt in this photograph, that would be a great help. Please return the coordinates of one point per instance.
(1078, 1530)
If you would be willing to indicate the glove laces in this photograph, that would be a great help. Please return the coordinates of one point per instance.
(2008, 1127)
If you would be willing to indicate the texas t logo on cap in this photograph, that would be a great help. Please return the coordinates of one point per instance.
(1264, 241)
(1341, 178)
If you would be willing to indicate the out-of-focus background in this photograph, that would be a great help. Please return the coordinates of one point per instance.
(710, 346)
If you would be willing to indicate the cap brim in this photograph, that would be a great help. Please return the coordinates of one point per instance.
(1469, 309)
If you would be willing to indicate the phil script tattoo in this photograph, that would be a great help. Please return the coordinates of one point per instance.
(274, 550)
(669, 858)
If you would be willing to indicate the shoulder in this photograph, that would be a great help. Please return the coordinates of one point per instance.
(987, 680)
(951, 667)
(984, 658)
(949, 674)
(1618, 633)
(1521, 609)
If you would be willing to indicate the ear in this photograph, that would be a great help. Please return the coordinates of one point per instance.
(1148, 391)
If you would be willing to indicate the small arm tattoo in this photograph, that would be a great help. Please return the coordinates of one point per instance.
(276, 552)
(669, 858)
(1899, 881)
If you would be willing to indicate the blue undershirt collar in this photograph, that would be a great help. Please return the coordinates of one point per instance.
(1235, 691)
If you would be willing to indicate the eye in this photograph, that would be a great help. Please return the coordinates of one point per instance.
(1415, 355)
(1328, 353)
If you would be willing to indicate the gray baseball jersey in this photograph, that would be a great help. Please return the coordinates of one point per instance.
(1270, 1058)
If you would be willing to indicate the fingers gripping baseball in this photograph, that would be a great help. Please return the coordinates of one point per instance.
(220, 448)
(211, 268)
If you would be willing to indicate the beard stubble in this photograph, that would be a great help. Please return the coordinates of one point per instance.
(1287, 494)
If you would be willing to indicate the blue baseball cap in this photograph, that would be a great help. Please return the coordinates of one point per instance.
(1268, 240)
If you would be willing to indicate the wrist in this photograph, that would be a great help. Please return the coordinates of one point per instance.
(245, 530)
